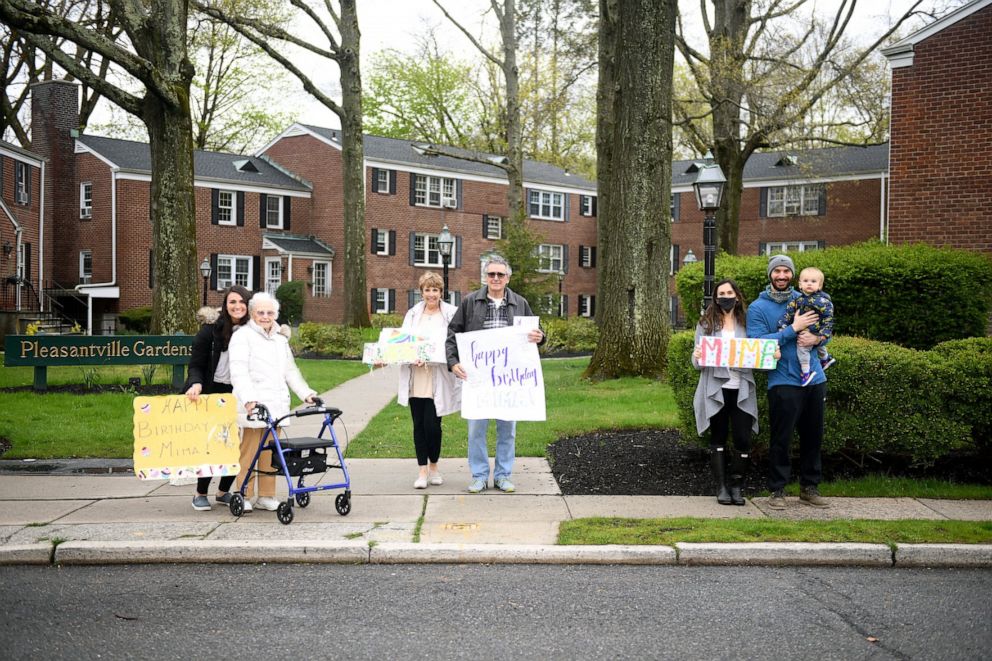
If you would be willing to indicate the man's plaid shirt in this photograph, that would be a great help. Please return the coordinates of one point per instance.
(496, 314)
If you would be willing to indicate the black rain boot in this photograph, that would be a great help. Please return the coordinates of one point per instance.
(739, 464)
(719, 464)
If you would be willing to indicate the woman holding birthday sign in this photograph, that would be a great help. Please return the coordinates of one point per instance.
(725, 397)
(427, 387)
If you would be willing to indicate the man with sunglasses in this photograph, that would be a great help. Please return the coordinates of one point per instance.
(493, 306)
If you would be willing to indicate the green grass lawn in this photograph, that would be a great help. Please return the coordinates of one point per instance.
(884, 486)
(574, 406)
(60, 425)
(670, 531)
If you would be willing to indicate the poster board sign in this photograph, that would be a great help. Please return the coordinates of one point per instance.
(505, 380)
(176, 438)
(737, 352)
(396, 346)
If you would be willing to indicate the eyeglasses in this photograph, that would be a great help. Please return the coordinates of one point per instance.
(496, 275)
(265, 313)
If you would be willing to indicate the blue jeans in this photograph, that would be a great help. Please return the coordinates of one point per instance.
(478, 454)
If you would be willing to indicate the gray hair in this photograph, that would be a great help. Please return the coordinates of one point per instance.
(263, 297)
(497, 259)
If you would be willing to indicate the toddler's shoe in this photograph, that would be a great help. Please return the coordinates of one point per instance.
(827, 362)
(807, 378)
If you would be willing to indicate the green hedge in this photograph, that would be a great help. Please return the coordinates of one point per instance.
(137, 320)
(290, 297)
(385, 321)
(329, 340)
(881, 398)
(573, 335)
(913, 295)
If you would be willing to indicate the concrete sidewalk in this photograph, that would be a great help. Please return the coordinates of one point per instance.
(93, 511)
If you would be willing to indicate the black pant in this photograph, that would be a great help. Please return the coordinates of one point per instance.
(789, 408)
(426, 430)
(731, 415)
(203, 483)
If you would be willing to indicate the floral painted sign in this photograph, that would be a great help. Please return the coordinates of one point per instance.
(398, 346)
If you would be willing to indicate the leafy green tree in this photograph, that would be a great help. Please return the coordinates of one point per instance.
(519, 246)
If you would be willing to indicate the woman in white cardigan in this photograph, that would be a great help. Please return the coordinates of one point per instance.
(262, 366)
(429, 389)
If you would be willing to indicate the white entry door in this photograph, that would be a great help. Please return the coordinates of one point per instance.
(273, 274)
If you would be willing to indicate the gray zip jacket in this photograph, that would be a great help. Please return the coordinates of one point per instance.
(709, 393)
(471, 315)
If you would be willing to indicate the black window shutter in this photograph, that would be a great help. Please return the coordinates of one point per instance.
(592, 306)
(372, 241)
(287, 209)
(485, 226)
(762, 248)
(593, 262)
(372, 300)
(413, 240)
(458, 192)
(594, 210)
(214, 206)
(822, 211)
(458, 252)
(241, 209)
(582, 204)
(262, 203)
(675, 258)
(821, 245)
(256, 267)
(151, 269)
(392, 301)
(213, 271)
(413, 189)
(410, 293)
(392, 242)
(676, 206)
(27, 262)
(527, 202)
(375, 180)
(564, 258)
(567, 205)
(392, 182)
(763, 204)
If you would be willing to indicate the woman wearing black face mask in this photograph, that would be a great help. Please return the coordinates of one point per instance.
(726, 397)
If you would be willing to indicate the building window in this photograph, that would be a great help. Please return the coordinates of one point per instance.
(86, 200)
(383, 300)
(226, 213)
(435, 192)
(587, 205)
(321, 278)
(273, 274)
(794, 200)
(546, 205)
(273, 212)
(774, 248)
(85, 267)
(587, 305)
(382, 181)
(425, 252)
(494, 227)
(551, 256)
(233, 270)
(587, 257)
(22, 183)
(381, 242)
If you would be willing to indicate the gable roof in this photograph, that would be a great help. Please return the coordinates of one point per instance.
(830, 162)
(402, 153)
(132, 156)
(13, 151)
(900, 54)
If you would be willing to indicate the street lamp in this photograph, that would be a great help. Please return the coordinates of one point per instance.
(444, 243)
(561, 280)
(205, 272)
(690, 258)
(709, 192)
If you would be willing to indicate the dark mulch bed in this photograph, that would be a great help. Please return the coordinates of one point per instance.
(657, 463)
(78, 389)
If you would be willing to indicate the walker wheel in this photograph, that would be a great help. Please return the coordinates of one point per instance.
(303, 499)
(237, 505)
(342, 504)
(285, 513)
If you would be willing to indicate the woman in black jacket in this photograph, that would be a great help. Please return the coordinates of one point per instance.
(209, 373)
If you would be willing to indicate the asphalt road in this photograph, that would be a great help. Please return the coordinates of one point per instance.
(498, 611)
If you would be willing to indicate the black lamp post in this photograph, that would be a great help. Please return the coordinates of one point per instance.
(205, 272)
(444, 244)
(709, 192)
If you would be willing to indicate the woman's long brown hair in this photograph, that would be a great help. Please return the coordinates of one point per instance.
(712, 319)
(226, 323)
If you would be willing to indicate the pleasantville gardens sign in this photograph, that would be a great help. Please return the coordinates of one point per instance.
(43, 351)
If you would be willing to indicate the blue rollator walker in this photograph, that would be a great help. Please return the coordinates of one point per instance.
(298, 457)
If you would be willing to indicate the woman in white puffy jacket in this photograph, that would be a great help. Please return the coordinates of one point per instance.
(262, 366)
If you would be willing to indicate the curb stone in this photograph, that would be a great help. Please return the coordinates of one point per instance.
(943, 555)
(521, 554)
(26, 554)
(785, 554)
(211, 551)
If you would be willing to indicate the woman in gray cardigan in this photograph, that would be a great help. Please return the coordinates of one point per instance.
(725, 397)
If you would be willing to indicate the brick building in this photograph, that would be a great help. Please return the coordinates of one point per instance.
(941, 132)
(22, 230)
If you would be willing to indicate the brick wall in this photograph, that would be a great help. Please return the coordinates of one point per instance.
(28, 217)
(942, 137)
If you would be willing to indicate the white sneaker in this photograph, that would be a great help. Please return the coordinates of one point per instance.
(247, 507)
(266, 503)
(420, 483)
(436, 479)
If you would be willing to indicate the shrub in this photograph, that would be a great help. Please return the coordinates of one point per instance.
(385, 321)
(290, 297)
(572, 335)
(881, 398)
(137, 320)
(330, 340)
(914, 295)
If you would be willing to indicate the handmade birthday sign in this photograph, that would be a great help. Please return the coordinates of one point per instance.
(505, 380)
(737, 352)
(174, 437)
(398, 346)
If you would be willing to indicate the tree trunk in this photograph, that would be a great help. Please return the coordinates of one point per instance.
(352, 158)
(514, 140)
(634, 145)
